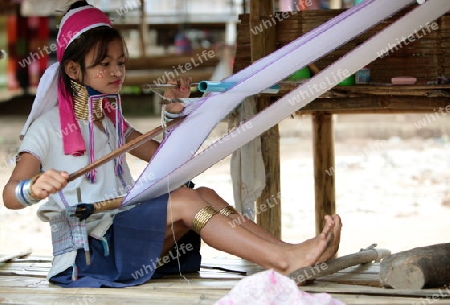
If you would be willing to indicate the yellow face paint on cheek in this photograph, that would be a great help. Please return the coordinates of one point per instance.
(100, 74)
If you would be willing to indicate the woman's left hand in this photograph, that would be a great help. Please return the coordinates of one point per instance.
(182, 90)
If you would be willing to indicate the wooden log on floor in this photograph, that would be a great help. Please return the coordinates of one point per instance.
(423, 267)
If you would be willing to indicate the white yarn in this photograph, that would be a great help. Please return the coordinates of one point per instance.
(255, 78)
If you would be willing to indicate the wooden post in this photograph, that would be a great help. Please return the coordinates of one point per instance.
(244, 6)
(324, 170)
(270, 219)
(143, 29)
(263, 44)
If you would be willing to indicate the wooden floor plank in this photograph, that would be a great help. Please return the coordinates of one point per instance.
(358, 289)
(386, 300)
(23, 281)
(7, 258)
(109, 296)
(371, 280)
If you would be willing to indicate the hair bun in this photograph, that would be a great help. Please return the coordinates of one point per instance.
(77, 4)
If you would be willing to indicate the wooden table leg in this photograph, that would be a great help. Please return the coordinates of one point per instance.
(324, 170)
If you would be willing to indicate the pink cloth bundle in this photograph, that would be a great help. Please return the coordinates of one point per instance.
(271, 287)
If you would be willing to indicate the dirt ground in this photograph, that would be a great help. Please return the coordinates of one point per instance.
(392, 183)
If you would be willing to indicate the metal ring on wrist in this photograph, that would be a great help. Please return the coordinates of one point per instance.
(23, 193)
(27, 192)
(19, 196)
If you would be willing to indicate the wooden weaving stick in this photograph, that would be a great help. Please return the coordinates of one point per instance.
(307, 274)
(124, 149)
(84, 210)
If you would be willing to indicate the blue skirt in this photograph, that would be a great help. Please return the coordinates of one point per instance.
(130, 253)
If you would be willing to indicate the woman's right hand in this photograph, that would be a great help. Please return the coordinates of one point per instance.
(181, 91)
(49, 182)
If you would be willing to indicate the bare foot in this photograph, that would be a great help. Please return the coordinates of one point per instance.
(333, 240)
(308, 252)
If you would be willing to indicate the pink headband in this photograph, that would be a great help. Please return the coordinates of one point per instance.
(73, 24)
(76, 22)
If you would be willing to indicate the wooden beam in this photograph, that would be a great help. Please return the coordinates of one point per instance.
(364, 91)
(263, 44)
(170, 26)
(387, 89)
(324, 173)
(379, 104)
(8, 8)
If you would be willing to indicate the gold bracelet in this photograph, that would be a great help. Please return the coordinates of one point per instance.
(202, 217)
(228, 210)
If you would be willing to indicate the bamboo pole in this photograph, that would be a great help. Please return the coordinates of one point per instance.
(261, 45)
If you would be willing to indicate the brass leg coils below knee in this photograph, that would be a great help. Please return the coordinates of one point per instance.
(202, 217)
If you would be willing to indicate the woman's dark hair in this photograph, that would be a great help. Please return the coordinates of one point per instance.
(98, 38)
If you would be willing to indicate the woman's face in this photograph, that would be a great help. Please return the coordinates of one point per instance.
(107, 76)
